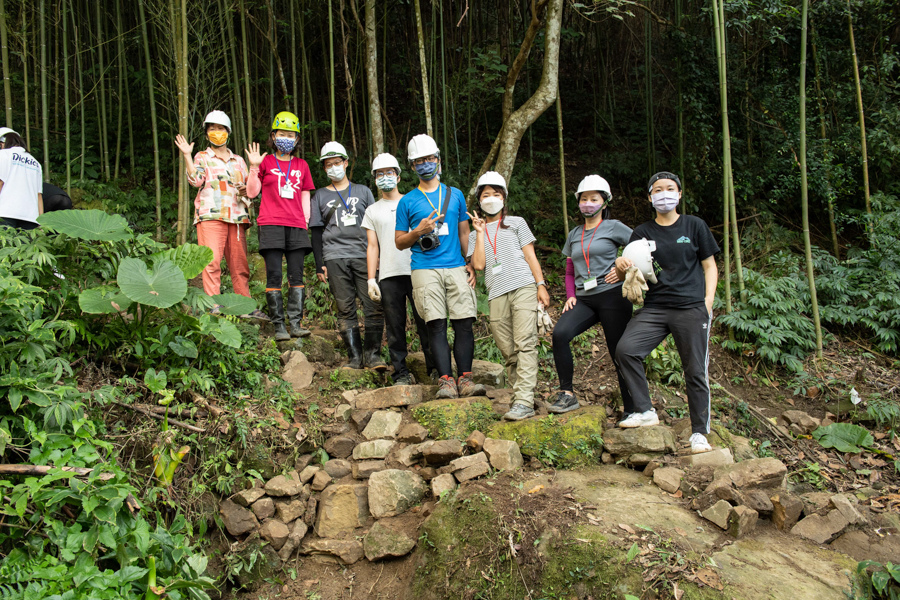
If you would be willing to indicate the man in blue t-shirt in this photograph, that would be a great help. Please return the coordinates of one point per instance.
(432, 220)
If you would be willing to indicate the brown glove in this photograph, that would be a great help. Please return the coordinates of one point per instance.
(635, 285)
(544, 322)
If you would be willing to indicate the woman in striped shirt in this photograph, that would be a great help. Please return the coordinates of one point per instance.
(515, 286)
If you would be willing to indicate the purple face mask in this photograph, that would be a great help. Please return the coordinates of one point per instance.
(589, 209)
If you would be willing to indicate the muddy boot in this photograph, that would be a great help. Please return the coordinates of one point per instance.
(371, 347)
(295, 312)
(354, 348)
(276, 313)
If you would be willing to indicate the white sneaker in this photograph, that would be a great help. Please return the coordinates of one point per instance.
(699, 444)
(644, 419)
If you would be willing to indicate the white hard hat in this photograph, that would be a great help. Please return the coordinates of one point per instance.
(5, 130)
(594, 183)
(385, 161)
(639, 252)
(420, 146)
(493, 179)
(219, 118)
(332, 149)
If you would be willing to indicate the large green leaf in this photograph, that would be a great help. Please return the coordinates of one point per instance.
(95, 225)
(190, 258)
(235, 304)
(103, 300)
(162, 286)
(226, 333)
(844, 437)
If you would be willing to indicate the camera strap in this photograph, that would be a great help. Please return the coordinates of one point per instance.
(442, 206)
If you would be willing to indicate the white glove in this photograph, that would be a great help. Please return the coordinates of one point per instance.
(635, 285)
(374, 291)
(544, 322)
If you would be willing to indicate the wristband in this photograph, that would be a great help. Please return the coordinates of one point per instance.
(542, 283)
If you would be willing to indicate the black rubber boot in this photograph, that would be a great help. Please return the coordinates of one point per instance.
(354, 347)
(372, 347)
(276, 312)
(295, 312)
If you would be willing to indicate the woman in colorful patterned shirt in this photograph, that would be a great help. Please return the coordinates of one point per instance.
(220, 211)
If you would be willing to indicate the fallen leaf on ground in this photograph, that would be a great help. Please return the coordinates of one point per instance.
(536, 489)
(626, 528)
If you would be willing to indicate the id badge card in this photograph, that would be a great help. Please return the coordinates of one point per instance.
(497, 269)
(286, 191)
(590, 284)
(444, 229)
(348, 220)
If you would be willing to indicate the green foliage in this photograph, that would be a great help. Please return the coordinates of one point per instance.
(844, 437)
(88, 225)
(884, 411)
(664, 363)
(876, 581)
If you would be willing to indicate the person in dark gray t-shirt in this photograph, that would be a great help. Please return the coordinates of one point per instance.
(593, 288)
(339, 246)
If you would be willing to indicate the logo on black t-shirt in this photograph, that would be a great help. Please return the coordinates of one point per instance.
(683, 240)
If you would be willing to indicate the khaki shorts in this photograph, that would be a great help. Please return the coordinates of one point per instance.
(439, 291)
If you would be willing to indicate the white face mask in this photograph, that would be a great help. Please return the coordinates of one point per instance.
(335, 173)
(386, 183)
(665, 201)
(492, 205)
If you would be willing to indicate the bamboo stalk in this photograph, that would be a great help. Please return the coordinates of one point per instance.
(121, 92)
(823, 136)
(562, 162)
(65, 28)
(862, 114)
(101, 100)
(4, 58)
(152, 415)
(45, 108)
(331, 68)
(183, 121)
(804, 188)
(81, 103)
(296, 92)
(25, 46)
(726, 205)
(425, 97)
(153, 126)
(240, 125)
(45, 470)
(243, 16)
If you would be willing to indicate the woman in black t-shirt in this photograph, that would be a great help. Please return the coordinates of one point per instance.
(679, 303)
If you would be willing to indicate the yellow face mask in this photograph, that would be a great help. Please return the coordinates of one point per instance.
(217, 138)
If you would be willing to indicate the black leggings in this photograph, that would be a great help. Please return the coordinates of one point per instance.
(463, 345)
(609, 309)
(295, 260)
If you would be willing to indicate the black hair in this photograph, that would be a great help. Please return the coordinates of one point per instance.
(12, 140)
(663, 175)
(270, 144)
(206, 128)
(604, 212)
(503, 212)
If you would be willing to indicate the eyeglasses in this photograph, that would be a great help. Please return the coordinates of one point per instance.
(425, 159)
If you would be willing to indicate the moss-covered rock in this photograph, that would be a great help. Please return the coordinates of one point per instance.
(569, 440)
(455, 419)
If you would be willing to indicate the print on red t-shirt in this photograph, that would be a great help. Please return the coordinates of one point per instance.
(275, 210)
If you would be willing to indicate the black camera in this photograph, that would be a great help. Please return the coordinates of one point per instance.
(430, 241)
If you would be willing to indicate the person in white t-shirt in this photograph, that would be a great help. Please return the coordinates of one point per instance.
(21, 180)
(393, 284)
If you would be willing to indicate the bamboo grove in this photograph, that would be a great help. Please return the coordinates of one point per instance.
(545, 90)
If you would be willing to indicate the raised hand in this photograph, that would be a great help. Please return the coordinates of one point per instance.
(183, 145)
(477, 222)
(426, 225)
(253, 154)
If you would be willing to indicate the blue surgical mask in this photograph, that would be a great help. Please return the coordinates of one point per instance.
(285, 145)
(427, 170)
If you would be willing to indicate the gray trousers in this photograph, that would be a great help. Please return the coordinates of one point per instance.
(647, 329)
(348, 278)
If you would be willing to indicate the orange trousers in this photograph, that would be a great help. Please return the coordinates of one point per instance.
(229, 241)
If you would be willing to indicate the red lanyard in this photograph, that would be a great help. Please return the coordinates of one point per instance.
(587, 255)
(496, 237)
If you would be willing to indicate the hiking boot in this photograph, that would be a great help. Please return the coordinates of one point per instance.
(371, 347)
(644, 419)
(565, 402)
(354, 348)
(447, 388)
(467, 387)
(434, 375)
(518, 412)
(699, 444)
(295, 312)
(256, 314)
(404, 380)
(275, 303)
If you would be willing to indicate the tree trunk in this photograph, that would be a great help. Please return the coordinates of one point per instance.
(562, 163)
(101, 99)
(426, 99)
(183, 122)
(121, 93)
(79, 68)
(45, 108)
(295, 91)
(4, 58)
(513, 129)
(154, 131)
(372, 80)
(65, 43)
(331, 70)
(804, 190)
(25, 77)
(862, 114)
(243, 17)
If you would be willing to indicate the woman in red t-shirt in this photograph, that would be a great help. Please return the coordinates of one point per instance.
(286, 182)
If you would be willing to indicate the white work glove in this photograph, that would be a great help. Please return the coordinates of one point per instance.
(374, 291)
(635, 285)
(544, 322)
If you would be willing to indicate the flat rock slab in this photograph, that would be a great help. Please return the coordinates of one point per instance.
(238, 520)
(757, 473)
(373, 449)
(340, 446)
(285, 485)
(639, 440)
(461, 463)
(342, 508)
(820, 529)
(442, 452)
(504, 455)
(288, 510)
(412, 433)
(298, 371)
(386, 397)
(715, 458)
(472, 472)
(843, 504)
(384, 541)
(668, 479)
(275, 532)
(575, 438)
(718, 513)
(383, 424)
(338, 468)
(247, 497)
(346, 551)
(364, 468)
(442, 483)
